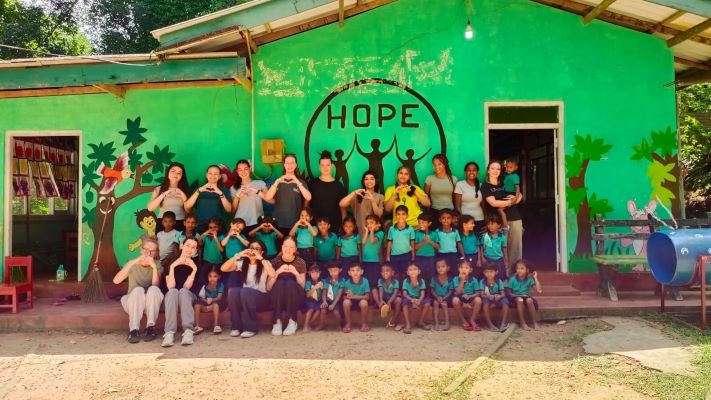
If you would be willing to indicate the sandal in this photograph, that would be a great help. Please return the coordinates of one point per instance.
(467, 326)
(365, 328)
(398, 327)
(346, 330)
(384, 310)
(476, 328)
(217, 330)
(389, 324)
(407, 331)
(197, 330)
(425, 326)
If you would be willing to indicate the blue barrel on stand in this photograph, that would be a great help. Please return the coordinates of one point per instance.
(673, 255)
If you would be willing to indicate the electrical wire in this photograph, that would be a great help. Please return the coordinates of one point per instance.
(95, 58)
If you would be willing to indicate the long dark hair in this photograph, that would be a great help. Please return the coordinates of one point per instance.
(260, 266)
(376, 189)
(477, 184)
(182, 183)
(443, 159)
(412, 187)
(238, 179)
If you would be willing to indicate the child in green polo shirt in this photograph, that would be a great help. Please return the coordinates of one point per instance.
(466, 293)
(519, 291)
(387, 294)
(303, 232)
(212, 250)
(348, 246)
(400, 250)
(314, 294)
(494, 295)
(414, 296)
(267, 232)
(235, 241)
(325, 245)
(426, 246)
(493, 245)
(442, 291)
(357, 293)
(371, 252)
(332, 293)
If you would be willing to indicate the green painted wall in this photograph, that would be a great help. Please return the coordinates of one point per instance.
(611, 80)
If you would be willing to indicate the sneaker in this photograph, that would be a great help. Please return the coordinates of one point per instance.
(134, 336)
(150, 334)
(291, 328)
(168, 339)
(276, 329)
(247, 334)
(234, 332)
(187, 337)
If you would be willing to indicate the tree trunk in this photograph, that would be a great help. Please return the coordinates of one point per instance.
(674, 186)
(104, 242)
(583, 245)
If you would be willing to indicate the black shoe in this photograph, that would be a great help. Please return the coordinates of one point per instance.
(133, 336)
(150, 334)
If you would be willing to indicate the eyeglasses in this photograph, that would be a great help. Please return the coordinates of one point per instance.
(149, 250)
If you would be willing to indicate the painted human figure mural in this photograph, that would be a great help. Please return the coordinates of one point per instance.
(340, 163)
(409, 161)
(639, 214)
(376, 156)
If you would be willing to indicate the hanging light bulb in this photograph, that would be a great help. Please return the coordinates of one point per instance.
(469, 31)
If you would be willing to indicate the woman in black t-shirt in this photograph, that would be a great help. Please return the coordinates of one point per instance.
(326, 193)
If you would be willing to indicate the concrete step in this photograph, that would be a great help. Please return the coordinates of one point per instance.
(558, 290)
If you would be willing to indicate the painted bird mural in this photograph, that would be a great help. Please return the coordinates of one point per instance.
(113, 176)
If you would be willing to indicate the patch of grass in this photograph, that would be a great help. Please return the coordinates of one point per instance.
(576, 338)
(659, 385)
(436, 390)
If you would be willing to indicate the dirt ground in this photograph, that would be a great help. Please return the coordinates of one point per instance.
(381, 364)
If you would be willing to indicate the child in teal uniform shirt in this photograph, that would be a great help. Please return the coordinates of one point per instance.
(400, 250)
(211, 251)
(304, 234)
(520, 293)
(325, 245)
(387, 294)
(493, 245)
(348, 246)
(357, 293)
(442, 290)
(450, 243)
(494, 295)
(332, 293)
(426, 246)
(512, 187)
(371, 251)
(470, 243)
(414, 295)
(267, 232)
(466, 292)
(234, 242)
(314, 296)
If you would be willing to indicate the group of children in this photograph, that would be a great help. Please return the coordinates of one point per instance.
(399, 270)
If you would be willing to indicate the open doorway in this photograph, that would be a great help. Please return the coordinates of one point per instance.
(534, 150)
(42, 182)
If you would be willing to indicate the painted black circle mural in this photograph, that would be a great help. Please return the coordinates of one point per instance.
(376, 124)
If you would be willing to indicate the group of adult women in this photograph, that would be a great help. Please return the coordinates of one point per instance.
(279, 283)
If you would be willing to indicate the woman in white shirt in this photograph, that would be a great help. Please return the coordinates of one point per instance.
(467, 195)
(246, 301)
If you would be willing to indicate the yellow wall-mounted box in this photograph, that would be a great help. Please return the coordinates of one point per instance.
(272, 151)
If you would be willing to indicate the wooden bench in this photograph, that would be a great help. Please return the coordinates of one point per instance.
(608, 264)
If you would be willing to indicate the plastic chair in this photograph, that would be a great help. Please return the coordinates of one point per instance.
(15, 289)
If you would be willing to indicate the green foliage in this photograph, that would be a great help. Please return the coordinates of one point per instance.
(589, 148)
(133, 132)
(90, 176)
(89, 196)
(695, 157)
(47, 29)
(102, 153)
(134, 159)
(88, 216)
(575, 197)
(664, 142)
(642, 151)
(573, 164)
(124, 26)
(161, 157)
(598, 206)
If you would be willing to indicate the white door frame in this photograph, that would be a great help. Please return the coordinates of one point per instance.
(9, 191)
(559, 145)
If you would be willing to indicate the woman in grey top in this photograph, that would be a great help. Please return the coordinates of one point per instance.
(440, 187)
(170, 195)
(247, 195)
(288, 194)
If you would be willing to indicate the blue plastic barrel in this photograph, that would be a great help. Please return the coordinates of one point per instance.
(673, 255)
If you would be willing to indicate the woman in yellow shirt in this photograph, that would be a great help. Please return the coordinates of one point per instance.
(407, 194)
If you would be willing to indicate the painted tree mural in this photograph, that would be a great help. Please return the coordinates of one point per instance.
(663, 169)
(585, 203)
(108, 171)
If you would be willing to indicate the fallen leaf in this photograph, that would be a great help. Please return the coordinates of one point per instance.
(113, 390)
